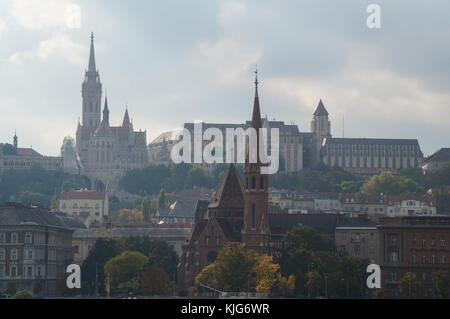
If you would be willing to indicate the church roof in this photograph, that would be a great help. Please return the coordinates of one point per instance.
(321, 110)
(126, 119)
(443, 155)
(230, 192)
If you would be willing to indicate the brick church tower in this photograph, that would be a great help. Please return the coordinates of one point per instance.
(256, 230)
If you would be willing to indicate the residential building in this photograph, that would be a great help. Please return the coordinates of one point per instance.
(90, 207)
(417, 244)
(437, 160)
(357, 237)
(35, 247)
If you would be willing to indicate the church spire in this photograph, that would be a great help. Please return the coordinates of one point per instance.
(126, 119)
(256, 118)
(92, 67)
(106, 111)
(15, 140)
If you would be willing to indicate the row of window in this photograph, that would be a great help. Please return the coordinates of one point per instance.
(28, 254)
(76, 206)
(14, 238)
(433, 242)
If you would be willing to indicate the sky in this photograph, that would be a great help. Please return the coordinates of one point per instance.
(180, 61)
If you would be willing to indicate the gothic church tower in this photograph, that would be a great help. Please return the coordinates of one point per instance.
(256, 230)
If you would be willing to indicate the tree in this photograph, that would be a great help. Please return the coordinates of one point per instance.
(266, 274)
(389, 184)
(93, 266)
(441, 282)
(409, 286)
(125, 270)
(23, 294)
(147, 209)
(232, 270)
(13, 287)
(54, 203)
(66, 186)
(163, 199)
(198, 177)
(130, 216)
(286, 286)
(159, 252)
(315, 283)
(156, 281)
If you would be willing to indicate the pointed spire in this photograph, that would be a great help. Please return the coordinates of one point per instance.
(256, 118)
(15, 139)
(321, 110)
(106, 111)
(126, 119)
(92, 67)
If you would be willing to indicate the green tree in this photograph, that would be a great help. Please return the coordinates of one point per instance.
(125, 270)
(99, 255)
(441, 282)
(389, 184)
(409, 286)
(315, 283)
(198, 177)
(232, 270)
(163, 199)
(146, 208)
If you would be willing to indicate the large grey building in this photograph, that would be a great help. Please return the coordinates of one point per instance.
(35, 247)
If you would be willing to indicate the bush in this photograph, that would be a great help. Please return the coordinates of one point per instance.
(23, 294)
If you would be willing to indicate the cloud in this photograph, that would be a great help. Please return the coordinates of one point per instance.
(230, 11)
(40, 14)
(2, 26)
(59, 44)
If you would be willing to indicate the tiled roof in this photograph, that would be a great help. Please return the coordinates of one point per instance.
(88, 195)
(443, 155)
(28, 152)
(371, 141)
(18, 214)
(230, 193)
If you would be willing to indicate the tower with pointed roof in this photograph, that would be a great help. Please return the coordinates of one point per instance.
(321, 129)
(105, 151)
(256, 230)
(91, 92)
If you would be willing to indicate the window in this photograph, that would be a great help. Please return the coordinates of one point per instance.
(2, 253)
(424, 259)
(2, 270)
(253, 216)
(394, 258)
(30, 254)
(433, 259)
(443, 259)
(29, 271)
(28, 238)
(414, 240)
(414, 259)
(13, 271)
(14, 238)
(443, 243)
(372, 236)
(261, 182)
(75, 206)
(357, 249)
(394, 241)
(2, 237)
(424, 243)
(394, 276)
(64, 206)
(343, 236)
(14, 254)
(253, 182)
(433, 242)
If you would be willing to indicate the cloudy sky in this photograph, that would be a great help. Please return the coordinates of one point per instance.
(185, 60)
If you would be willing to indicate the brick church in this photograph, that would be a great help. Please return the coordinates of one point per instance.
(238, 212)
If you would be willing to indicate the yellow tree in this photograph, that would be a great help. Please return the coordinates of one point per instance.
(125, 270)
(409, 286)
(286, 286)
(265, 273)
